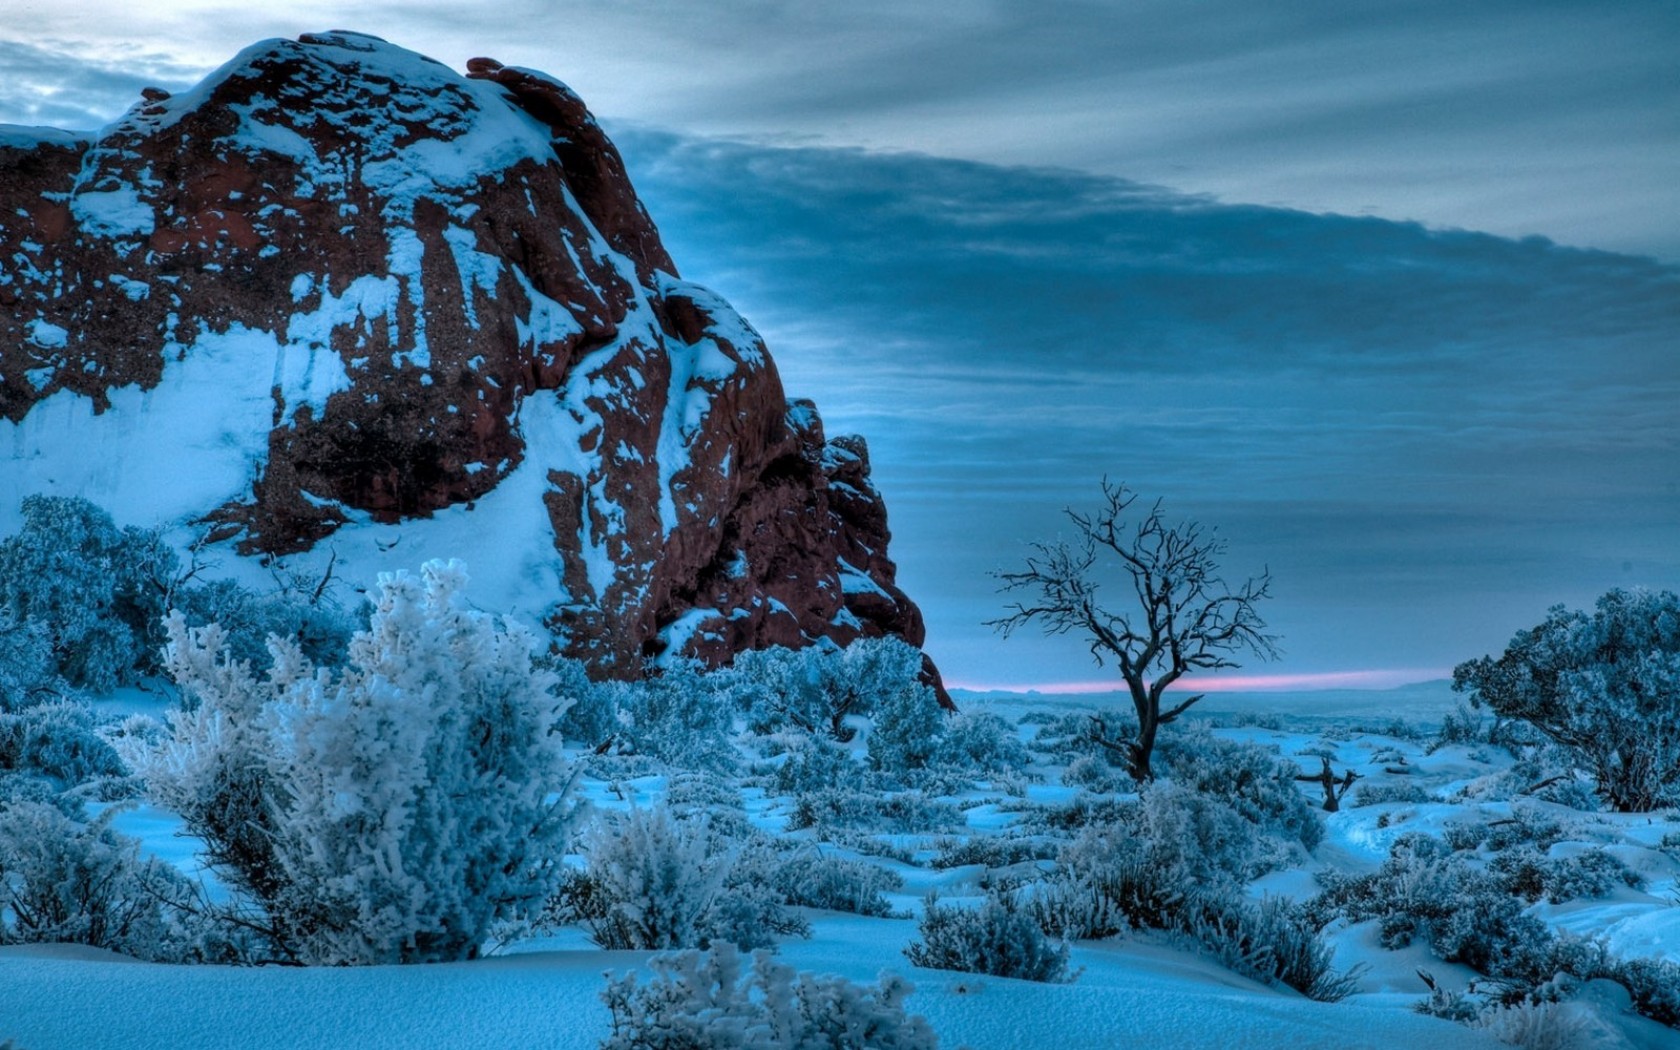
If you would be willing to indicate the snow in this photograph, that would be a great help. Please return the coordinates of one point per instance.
(215, 404)
(112, 213)
(1138, 989)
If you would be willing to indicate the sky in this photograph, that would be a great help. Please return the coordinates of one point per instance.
(1388, 293)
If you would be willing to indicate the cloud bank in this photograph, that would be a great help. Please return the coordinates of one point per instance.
(1429, 436)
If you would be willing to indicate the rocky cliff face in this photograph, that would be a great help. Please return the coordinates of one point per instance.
(340, 297)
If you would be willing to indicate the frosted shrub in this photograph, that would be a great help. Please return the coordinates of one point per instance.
(57, 741)
(815, 763)
(703, 1001)
(905, 812)
(1605, 685)
(907, 729)
(1201, 838)
(1528, 873)
(816, 688)
(1270, 942)
(980, 743)
(390, 812)
(98, 590)
(653, 880)
(306, 617)
(1541, 1026)
(592, 717)
(681, 717)
(813, 880)
(1424, 892)
(1000, 938)
(82, 883)
(656, 881)
(28, 670)
(1254, 781)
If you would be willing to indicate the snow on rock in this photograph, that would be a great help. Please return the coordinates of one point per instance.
(338, 298)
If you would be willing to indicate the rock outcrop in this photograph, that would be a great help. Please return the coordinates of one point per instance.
(401, 294)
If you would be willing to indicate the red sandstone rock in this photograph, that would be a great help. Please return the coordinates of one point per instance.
(454, 254)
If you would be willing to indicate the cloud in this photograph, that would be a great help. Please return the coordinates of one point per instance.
(1506, 115)
(1430, 436)
(53, 86)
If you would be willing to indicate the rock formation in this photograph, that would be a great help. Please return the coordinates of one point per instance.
(397, 294)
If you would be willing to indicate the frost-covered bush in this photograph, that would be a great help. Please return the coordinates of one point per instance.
(816, 688)
(1253, 780)
(307, 617)
(591, 720)
(1001, 938)
(28, 670)
(1201, 838)
(99, 590)
(1065, 738)
(1530, 874)
(1381, 794)
(58, 741)
(1604, 684)
(994, 851)
(681, 716)
(979, 743)
(908, 729)
(392, 811)
(814, 880)
(1462, 725)
(654, 880)
(898, 813)
(68, 881)
(1271, 942)
(814, 763)
(1426, 892)
(1111, 881)
(1096, 773)
(703, 1001)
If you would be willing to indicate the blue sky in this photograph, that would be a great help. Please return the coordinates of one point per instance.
(951, 224)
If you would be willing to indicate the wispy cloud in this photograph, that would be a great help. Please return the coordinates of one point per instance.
(1560, 117)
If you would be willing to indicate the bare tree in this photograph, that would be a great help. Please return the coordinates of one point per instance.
(1181, 615)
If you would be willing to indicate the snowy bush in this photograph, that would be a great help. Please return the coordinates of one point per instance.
(902, 812)
(815, 880)
(991, 850)
(390, 812)
(703, 1001)
(1605, 685)
(1271, 942)
(1530, 874)
(655, 881)
(1201, 838)
(592, 717)
(980, 744)
(57, 741)
(1096, 773)
(82, 883)
(100, 591)
(1426, 892)
(814, 763)
(1001, 938)
(307, 617)
(28, 670)
(681, 716)
(907, 728)
(1254, 781)
(816, 688)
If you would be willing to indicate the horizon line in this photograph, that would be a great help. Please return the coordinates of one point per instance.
(1374, 678)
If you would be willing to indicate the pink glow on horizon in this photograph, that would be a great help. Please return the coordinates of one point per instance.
(1387, 678)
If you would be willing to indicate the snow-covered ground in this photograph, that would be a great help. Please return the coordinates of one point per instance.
(1136, 989)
